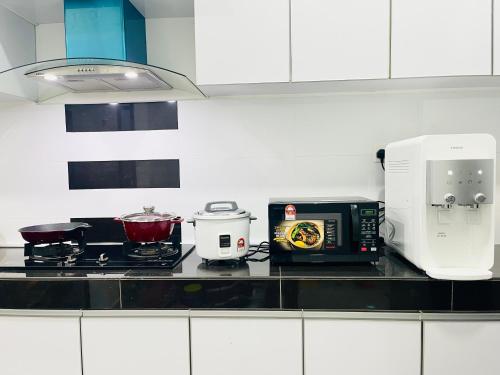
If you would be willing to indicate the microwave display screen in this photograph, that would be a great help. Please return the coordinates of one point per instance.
(368, 212)
(309, 233)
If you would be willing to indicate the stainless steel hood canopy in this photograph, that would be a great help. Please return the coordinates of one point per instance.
(99, 77)
(94, 80)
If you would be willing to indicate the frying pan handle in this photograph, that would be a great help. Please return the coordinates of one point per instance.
(118, 219)
(85, 225)
(177, 220)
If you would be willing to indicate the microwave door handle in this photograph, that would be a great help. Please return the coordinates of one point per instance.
(355, 222)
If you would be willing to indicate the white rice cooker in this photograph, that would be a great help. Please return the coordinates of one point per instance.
(222, 231)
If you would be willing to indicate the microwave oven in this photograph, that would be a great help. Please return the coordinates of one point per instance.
(323, 230)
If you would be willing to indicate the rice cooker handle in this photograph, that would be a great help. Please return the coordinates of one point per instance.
(231, 206)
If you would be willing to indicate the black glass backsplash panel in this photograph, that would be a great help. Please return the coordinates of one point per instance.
(121, 117)
(106, 229)
(123, 174)
(59, 294)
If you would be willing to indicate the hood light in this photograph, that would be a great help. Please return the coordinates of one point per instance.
(131, 75)
(50, 77)
(113, 103)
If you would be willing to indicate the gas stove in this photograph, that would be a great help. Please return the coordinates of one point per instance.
(95, 256)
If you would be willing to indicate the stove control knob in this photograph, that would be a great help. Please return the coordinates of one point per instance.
(479, 198)
(449, 198)
(103, 258)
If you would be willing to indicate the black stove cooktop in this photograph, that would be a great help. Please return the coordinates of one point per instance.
(95, 256)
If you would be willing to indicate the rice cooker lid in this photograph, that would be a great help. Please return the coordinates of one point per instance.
(221, 210)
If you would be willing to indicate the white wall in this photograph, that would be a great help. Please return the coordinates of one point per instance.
(50, 41)
(17, 40)
(242, 149)
(170, 44)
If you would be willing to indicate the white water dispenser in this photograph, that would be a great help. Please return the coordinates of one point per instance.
(440, 203)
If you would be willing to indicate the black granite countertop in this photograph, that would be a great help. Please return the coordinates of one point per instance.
(392, 284)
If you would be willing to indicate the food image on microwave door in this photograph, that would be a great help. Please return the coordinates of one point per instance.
(299, 234)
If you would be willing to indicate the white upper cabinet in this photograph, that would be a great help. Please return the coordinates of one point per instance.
(242, 41)
(441, 38)
(340, 39)
(461, 348)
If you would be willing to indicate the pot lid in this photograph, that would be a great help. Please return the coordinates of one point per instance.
(221, 210)
(149, 215)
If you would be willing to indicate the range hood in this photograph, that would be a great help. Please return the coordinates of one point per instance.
(105, 62)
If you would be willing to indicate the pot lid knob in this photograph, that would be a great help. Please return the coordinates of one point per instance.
(149, 210)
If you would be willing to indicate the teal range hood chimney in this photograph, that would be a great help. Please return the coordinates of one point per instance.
(111, 29)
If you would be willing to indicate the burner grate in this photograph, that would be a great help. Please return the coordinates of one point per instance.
(149, 251)
(61, 252)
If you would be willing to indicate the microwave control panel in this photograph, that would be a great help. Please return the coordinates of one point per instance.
(369, 233)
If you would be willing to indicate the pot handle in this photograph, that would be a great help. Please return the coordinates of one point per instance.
(232, 206)
(190, 221)
(177, 220)
(118, 219)
(252, 218)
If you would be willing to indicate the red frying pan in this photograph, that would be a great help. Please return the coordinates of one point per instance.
(54, 233)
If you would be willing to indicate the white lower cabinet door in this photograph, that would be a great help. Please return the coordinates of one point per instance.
(246, 346)
(133, 345)
(360, 347)
(461, 348)
(41, 345)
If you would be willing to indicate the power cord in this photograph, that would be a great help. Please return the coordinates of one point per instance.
(381, 157)
(262, 248)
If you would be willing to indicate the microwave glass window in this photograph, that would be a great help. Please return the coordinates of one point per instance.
(309, 232)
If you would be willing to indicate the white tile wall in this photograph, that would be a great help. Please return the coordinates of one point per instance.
(242, 149)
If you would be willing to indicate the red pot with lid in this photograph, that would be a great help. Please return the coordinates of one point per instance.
(149, 226)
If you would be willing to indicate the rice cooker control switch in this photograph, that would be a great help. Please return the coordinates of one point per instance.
(449, 198)
(479, 198)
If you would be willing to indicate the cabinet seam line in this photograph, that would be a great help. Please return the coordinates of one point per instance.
(303, 345)
(189, 346)
(81, 344)
(390, 39)
(120, 293)
(290, 41)
(492, 37)
(421, 347)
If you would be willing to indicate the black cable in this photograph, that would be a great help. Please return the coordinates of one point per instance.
(381, 157)
(262, 248)
(257, 260)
